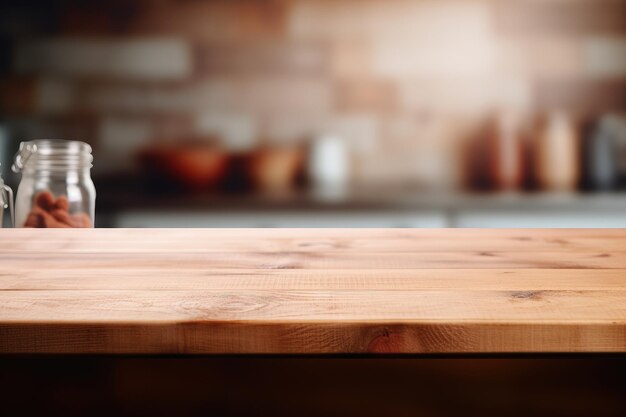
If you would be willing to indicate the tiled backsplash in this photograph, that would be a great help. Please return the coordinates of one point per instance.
(404, 82)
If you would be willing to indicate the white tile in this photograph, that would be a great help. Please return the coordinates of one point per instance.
(215, 94)
(471, 96)
(287, 96)
(55, 96)
(293, 129)
(234, 131)
(360, 131)
(118, 141)
(141, 58)
(448, 57)
(605, 57)
(540, 56)
(410, 38)
(372, 18)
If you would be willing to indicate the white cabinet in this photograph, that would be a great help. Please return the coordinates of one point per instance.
(281, 219)
(548, 219)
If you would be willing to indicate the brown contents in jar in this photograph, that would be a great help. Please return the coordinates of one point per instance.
(48, 212)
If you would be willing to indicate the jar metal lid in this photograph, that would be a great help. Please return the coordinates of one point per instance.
(53, 154)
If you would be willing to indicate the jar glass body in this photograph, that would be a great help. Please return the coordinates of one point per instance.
(56, 189)
(75, 185)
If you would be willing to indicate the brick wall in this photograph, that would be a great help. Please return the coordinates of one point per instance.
(404, 82)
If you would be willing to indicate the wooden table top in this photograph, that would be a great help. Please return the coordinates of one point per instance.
(312, 291)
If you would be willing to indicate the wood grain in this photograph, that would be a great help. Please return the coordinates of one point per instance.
(312, 290)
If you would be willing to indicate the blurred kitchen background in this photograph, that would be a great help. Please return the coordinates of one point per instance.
(318, 113)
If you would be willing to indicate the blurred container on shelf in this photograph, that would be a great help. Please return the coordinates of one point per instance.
(328, 164)
(556, 148)
(615, 126)
(600, 155)
(191, 165)
(508, 148)
(275, 169)
(477, 176)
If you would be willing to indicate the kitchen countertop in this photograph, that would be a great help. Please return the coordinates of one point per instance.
(312, 291)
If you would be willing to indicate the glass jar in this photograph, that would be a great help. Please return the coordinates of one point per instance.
(56, 189)
(6, 201)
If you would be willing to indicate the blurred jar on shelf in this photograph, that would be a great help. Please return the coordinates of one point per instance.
(56, 189)
(604, 148)
(556, 149)
(508, 148)
(328, 164)
(614, 127)
(275, 168)
(188, 164)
